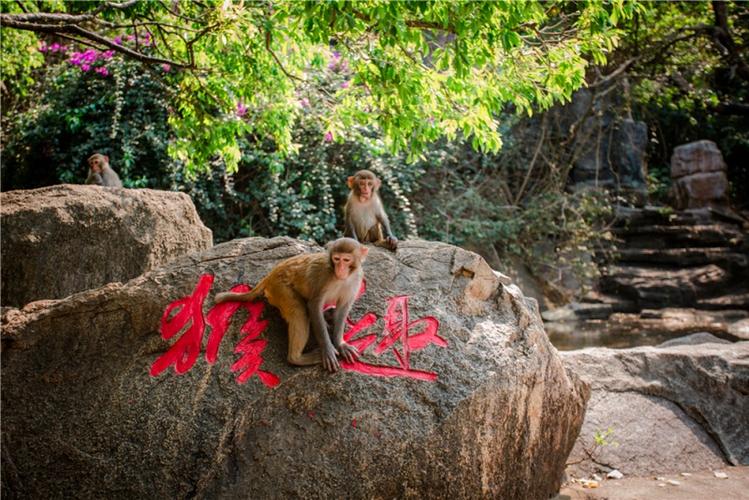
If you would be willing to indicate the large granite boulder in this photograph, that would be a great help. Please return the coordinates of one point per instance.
(64, 239)
(699, 175)
(458, 394)
(663, 409)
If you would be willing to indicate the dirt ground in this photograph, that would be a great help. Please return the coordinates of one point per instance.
(702, 485)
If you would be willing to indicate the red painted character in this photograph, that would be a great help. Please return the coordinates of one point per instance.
(397, 328)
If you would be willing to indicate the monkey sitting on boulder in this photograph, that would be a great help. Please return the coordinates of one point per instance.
(100, 173)
(365, 216)
(300, 287)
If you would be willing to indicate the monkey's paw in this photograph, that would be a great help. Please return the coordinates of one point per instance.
(349, 352)
(392, 243)
(329, 360)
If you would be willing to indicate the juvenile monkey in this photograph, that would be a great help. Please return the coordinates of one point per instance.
(365, 216)
(300, 286)
(100, 173)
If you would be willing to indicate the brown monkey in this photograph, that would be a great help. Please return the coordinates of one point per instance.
(100, 173)
(365, 216)
(300, 286)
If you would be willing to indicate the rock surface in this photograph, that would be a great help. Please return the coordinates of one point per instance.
(82, 417)
(699, 175)
(696, 157)
(64, 239)
(681, 321)
(671, 408)
(610, 151)
(647, 435)
(695, 339)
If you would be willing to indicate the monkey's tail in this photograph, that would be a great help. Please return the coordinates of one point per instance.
(253, 294)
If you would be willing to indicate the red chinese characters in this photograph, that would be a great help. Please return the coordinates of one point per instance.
(184, 352)
(398, 328)
(401, 337)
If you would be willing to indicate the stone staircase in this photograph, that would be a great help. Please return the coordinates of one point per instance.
(672, 273)
(696, 258)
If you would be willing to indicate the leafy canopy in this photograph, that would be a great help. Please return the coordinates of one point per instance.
(414, 70)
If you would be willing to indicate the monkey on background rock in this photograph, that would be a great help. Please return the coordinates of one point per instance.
(300, 286)
(364, 214)
(100, 173)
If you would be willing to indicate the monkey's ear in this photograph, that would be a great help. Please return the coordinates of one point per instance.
(363, 251)
(106, 159)
(377, 183)
(350, 182)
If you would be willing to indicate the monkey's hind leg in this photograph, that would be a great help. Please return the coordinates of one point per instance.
(294, 311)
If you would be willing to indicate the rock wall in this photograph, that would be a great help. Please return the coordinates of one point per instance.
(610, 151)
(458, 394)
(64, 239)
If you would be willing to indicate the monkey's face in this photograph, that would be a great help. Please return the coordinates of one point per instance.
(343, 264)
(365, 187)
(95, 164)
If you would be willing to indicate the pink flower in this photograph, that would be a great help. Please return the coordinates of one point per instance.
(304, 102)
(55, 47)
(89, 56)
(130, 38)
(241, 110)
(43, 47)
(333, 64)
(117, 40)
(166, 67)
(345, 84)
(85, 67)
(328, 136)
(336, 63)
(102, 71)
(107, 54)
(64, 48)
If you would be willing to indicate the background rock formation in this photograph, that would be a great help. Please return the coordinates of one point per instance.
(699, 176)
(82, 417)
(64, 239)
(610, 149)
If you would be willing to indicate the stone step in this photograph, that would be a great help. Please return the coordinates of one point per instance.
(666, 216)
(725, 324)
(735, 300)
(616, 303)
(701, 235)
(727, 258)
(659, 287)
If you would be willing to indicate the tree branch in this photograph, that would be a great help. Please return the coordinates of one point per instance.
(410, 23)
(618, 71)
(722, 35)
(58, 29)
(280, 65)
